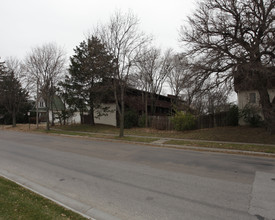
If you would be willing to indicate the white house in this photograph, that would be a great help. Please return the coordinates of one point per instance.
(249, 96)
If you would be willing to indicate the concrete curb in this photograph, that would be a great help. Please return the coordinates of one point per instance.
(161, 143)
(219, 150)
(60, 199)
(168, 138)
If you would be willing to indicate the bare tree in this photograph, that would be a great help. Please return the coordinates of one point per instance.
(234, 39)
(180, 79)
(14, 64)
(176, 78)
(44, 66)
(210, 101)
(153, 67)
(124, 40)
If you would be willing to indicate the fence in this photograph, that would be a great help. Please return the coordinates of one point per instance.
(161, 122)
(203, 121)
(212, 120)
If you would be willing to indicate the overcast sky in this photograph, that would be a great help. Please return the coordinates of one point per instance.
(31, 23)
(26, 24)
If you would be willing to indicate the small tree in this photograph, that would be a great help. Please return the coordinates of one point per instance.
(153, 67)
(124, 41)
(184, 121)
(178, 78)
(251, 115)
(44, 67)
(233, 116)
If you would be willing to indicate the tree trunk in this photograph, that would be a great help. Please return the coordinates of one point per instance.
(92, 116)
(152, 103)
(91, 102)
(64, 115)
(64, 121)
(47, 120)
(120, 107)
(52, 122)
(268, 110)
(121, 125)
(146, 110)
(13, 118)
(81, 117)
(47, 114)
(52, 105)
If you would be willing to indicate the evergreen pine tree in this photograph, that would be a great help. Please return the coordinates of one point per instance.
(13, 96)
(85, 85)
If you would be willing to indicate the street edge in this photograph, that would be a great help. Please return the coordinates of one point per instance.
(43, 195)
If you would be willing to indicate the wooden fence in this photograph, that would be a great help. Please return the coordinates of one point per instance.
(203, 121)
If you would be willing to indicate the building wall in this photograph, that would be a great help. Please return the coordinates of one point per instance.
(110, 119)
(244, 98)
(75, 119)
(56, 120)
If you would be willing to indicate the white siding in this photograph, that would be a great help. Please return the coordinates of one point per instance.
(75, 119)
(110, 119)
(243, 97)
(243, 100)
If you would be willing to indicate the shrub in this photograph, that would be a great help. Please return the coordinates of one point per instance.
(250, 115)
(130, 119)
(141, 121)
(184, 121)
(233, 116)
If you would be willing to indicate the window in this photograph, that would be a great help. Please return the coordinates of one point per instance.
(252, 97)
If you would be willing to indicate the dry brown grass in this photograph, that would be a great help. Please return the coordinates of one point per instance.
(232, 134)
(23, 127)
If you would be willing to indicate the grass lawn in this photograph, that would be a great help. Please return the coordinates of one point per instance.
(191, 138)
(232, 134)
(242, 147)
(17, 202)
(105, 136)
(198, 138)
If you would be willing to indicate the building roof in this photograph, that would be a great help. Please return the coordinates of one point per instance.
(56, 105)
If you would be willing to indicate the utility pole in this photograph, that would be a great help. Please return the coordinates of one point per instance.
(37, 104)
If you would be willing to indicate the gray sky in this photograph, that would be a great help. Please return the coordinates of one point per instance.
(26, 24)
(30, 23)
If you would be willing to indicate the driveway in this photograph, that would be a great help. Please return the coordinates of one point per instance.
(107, 180)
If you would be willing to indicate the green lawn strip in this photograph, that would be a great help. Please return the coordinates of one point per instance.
(232, 134)
(75, 133)
(17, 202)
(127, 138)
(153, 136)
(89, 128)
(243, 147)
(137, 139)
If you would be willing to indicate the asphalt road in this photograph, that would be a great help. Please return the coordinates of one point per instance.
(107, 180)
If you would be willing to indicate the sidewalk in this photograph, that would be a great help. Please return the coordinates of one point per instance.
(161, 142)
(167, 138)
